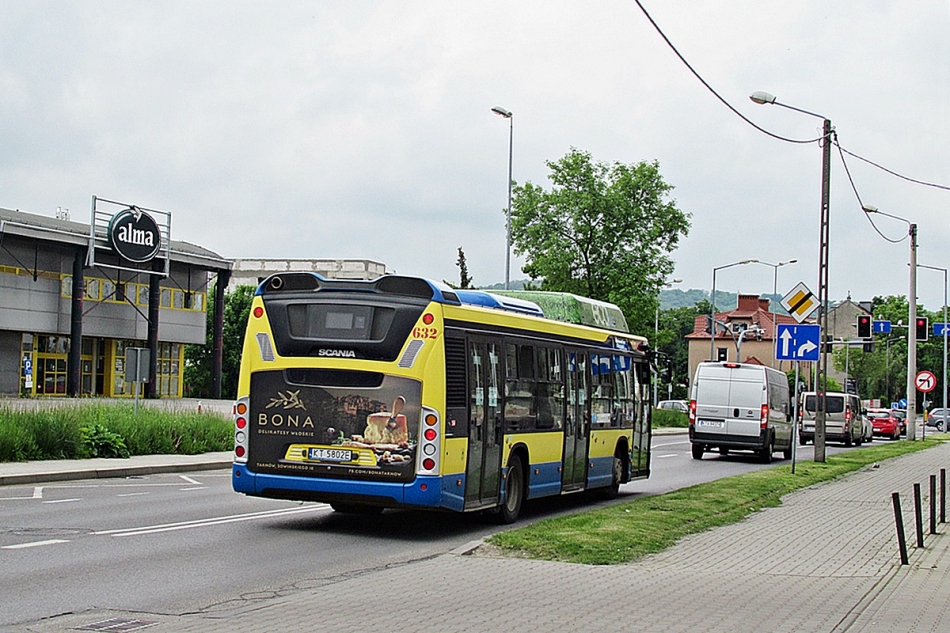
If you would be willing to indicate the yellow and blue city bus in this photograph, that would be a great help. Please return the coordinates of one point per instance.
(402, 393)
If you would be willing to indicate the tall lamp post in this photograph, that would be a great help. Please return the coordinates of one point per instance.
(656, 335)
(823, 232)
(775, 268)
(712, 319)
(511, 131)
(944, 270)
(911, 321)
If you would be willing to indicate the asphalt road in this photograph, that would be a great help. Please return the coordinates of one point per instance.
(185, 543)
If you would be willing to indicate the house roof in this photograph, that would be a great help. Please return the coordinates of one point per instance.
(750, 309)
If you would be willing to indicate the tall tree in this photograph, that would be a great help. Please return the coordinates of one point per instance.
(464, 280)
(604, 231)
(197, 378)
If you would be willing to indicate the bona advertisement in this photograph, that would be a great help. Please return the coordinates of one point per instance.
(365, 432)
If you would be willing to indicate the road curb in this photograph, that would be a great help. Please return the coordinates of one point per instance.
(107, 473)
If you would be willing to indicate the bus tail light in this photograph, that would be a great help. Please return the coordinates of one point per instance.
(764, 417)
(430, 443)
(241, 413)
(692, 412)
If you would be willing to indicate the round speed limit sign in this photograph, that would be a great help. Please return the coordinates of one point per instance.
(925, 381)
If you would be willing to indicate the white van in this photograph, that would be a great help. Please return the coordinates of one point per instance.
(843, 418)
(740, 406)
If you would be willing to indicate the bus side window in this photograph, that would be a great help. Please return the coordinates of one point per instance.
(520, 387)
(550, 389)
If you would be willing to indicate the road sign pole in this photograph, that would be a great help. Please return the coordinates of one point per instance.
(795, 419)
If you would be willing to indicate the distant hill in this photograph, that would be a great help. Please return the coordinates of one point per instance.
(676, 298)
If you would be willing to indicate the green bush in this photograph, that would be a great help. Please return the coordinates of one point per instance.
(109, 430)
(668, 418)
(98, 441)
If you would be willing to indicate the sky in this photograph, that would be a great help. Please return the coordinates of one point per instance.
(363, 129)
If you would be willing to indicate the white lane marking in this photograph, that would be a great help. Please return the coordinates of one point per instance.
(133, 494)
(34, 544)
(190, 480)
(655, 446)
(63, 500)
(185, 525)
(38, 492)
(668, 455)
(198, 488)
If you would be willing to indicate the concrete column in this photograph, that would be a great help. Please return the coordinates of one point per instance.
(74, 359)
(217, 334)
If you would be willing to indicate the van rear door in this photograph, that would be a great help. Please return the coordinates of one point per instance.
(729, 400)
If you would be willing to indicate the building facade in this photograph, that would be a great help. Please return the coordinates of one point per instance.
(72, 303)
(250, 272)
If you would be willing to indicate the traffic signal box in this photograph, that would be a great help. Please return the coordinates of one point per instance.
(922, 327)
(864, 326)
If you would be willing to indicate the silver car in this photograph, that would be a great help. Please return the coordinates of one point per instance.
(938, 418)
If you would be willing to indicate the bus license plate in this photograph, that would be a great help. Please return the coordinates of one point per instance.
(330, 455)
(718, 424)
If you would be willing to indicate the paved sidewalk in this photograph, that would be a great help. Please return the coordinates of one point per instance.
(826, 560)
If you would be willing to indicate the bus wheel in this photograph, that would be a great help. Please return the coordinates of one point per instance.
(353, 508)
(514, 491)
(611, 491)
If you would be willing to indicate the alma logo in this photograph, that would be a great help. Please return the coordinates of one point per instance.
(338, 353)
(135, 235)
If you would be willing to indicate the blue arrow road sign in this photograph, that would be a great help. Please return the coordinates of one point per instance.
(902, 403)
(940, 327)
(881, 327)
(797, 342)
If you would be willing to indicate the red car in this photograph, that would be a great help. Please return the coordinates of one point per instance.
(884, 423)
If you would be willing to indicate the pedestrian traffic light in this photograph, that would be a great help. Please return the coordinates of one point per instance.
(864, 326)
(922, 328)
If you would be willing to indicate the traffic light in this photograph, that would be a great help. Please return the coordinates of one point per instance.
(864, 326)
(922, 328)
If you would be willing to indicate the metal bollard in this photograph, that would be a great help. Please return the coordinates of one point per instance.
(918, 516)
(899, 521)
(933, 504)
(943, 495)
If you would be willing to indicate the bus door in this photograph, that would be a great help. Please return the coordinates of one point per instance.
(577, 422)
(483, 471)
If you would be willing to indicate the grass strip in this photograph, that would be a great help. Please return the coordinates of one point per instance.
(625, 532)
(109, 430)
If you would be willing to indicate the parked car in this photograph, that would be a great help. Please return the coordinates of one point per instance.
(901, 416)
(842, 418)
(938, 418)
(867, 429)
(884, 423)
(673, 405)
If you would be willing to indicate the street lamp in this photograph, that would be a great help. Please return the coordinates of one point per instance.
(656, 335)
(775, 268)
(712, 320)
(944, 335)
(911, 320)
(511, 130)
(761, 97)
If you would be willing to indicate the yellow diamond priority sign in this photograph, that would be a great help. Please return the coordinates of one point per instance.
(800, 302)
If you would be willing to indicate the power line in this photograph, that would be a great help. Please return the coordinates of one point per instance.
(767, 132)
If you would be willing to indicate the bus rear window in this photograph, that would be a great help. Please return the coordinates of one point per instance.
(338, 322)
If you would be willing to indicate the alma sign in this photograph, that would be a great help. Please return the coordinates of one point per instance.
(135, 235)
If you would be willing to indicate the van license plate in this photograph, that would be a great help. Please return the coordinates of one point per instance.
(718, 424)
